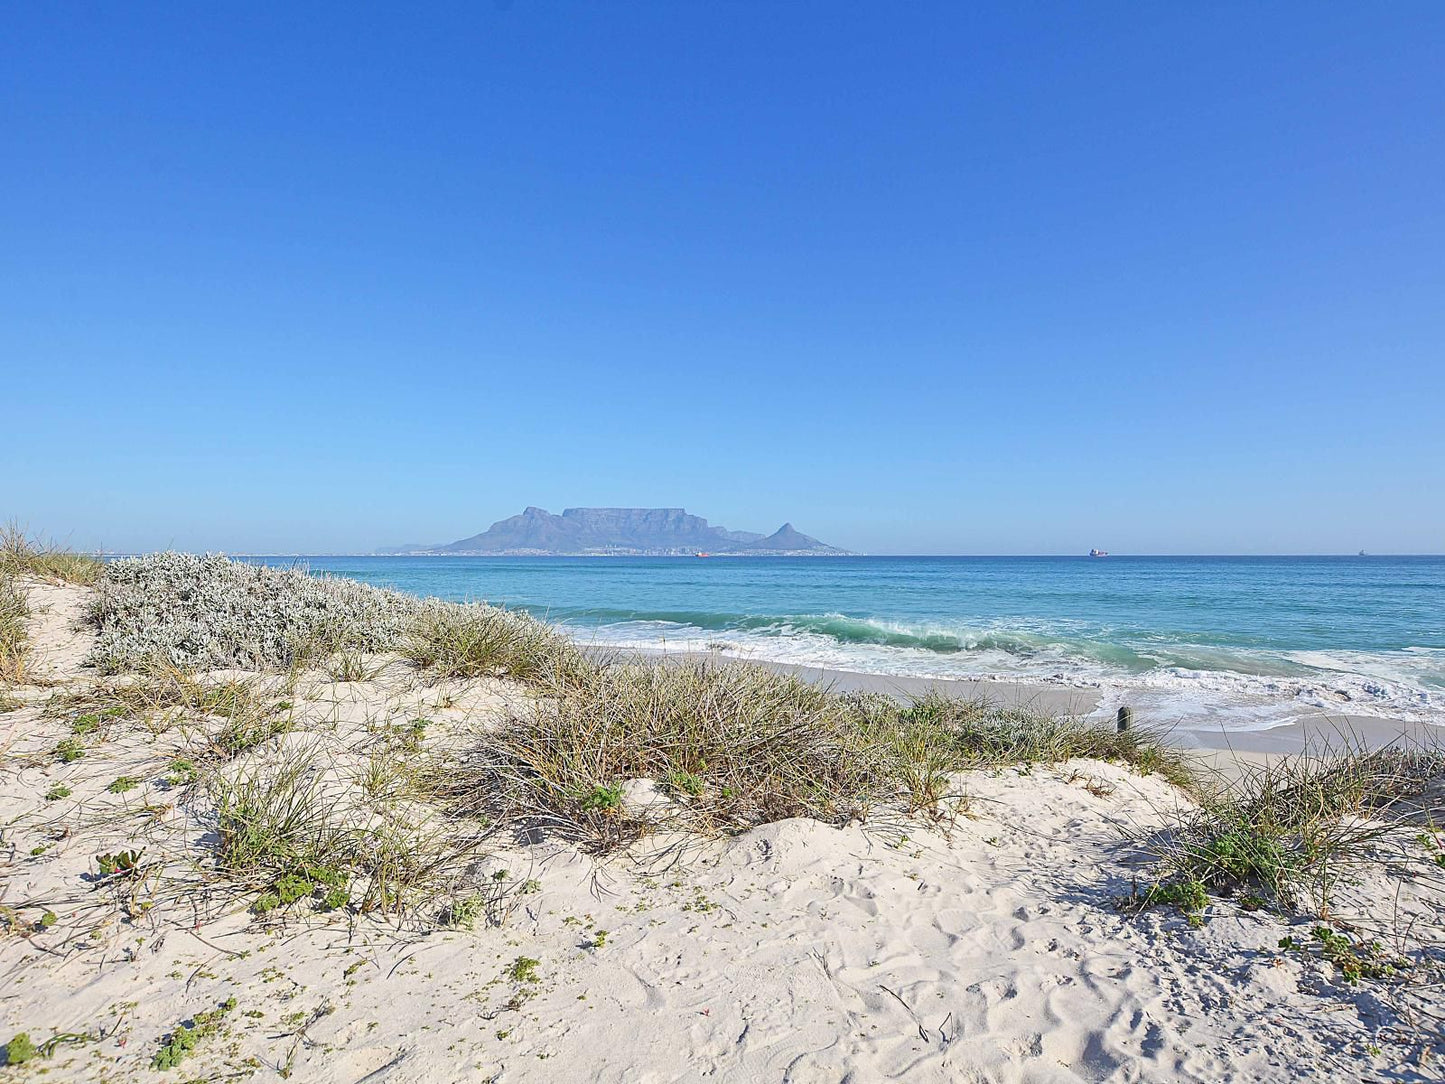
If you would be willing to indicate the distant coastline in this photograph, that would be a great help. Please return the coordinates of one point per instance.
(681, 554)
(619, 532)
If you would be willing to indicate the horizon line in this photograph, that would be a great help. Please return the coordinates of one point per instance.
(1111, 555)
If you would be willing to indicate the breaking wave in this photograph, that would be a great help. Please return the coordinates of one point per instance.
(1188, 679)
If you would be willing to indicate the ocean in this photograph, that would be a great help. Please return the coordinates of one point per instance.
(1245, 643)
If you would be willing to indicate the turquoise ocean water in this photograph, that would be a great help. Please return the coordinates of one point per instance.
(1251, 642)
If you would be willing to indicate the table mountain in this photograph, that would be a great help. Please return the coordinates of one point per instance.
(623, 531)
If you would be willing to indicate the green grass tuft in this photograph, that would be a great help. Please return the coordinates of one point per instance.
(282, 833)
(26, 555)
(1291, 827)
(601, 798)
(85, 724)
(742, 745)
(484, 641)
(25, 558)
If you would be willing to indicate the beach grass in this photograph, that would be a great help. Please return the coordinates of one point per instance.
(705, 747)
(14, 640)
(295, 828)
(981, 734)
(22, 558)
(469, 641)
(24, 555)
(605, 750)
(727, 746)
(1287, 829)
(245, 711)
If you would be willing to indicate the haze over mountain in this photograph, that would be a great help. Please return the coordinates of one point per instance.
(652, 532)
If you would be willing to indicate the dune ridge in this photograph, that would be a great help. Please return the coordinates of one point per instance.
(1003, 930)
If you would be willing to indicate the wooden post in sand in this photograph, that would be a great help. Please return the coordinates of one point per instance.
(1125, 718)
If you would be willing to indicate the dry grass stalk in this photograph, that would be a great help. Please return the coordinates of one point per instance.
(1290, 827)
(25, 558)
(729, 746)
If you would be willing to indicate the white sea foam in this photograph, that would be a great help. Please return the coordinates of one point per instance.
(1239, 690)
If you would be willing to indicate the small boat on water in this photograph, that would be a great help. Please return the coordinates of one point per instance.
(1098, 553)
(700, 554)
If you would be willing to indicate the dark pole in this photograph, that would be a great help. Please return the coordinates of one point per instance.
(1125, 719)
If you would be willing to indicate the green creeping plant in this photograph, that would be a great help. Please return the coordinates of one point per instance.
(122, 864)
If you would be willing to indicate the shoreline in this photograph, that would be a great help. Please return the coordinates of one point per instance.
(424, 917)
(1371, 731)
(1203, 684)
(1310, 732)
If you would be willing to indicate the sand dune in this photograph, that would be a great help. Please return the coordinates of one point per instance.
(988, 949)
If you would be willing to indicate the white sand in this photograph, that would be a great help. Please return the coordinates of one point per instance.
(796, 952)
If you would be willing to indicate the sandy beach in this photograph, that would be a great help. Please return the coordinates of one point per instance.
(722, 542)
(1312, 733)
(987, 945)
(1319, 730)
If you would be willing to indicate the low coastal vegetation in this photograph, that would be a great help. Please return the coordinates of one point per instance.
(982, 734)
(207, 613)
(1345, 846)
(188, 612)
(702, 746)
(310, 748)
(23, 555)
(23, 558)
(293, 829)
(484, 641)
(727, 746)
(243, 709)
(607, 750)
(14, 609)
(599, 750)
(1286, 831)
(188, 1035)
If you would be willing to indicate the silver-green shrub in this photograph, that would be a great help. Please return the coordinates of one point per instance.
(210, 612)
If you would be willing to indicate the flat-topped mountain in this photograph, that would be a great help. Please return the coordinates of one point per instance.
(652, 532)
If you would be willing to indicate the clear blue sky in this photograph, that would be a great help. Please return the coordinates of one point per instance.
(919, 278)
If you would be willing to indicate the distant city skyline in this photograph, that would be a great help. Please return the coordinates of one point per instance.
(931, 278)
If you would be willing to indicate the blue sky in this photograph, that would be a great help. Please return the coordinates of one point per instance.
(919, 278)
